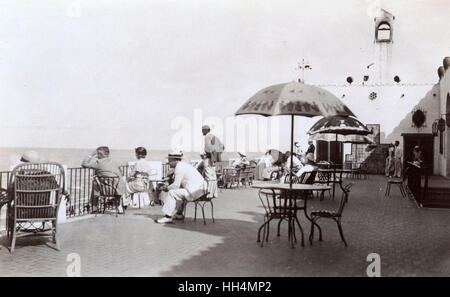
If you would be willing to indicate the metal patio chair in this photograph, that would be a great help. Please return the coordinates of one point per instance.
(401, 182)
(200, 202)
(106, 185)
(335, 215)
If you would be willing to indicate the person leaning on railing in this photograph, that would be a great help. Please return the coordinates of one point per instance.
(103, 165)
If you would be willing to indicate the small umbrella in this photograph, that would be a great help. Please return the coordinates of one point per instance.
(351, 138)
(339, 125)
(293, 99)
(342, 126)
(355, 139)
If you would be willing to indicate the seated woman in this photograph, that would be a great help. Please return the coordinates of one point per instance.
(242, 162)
(138, 181)
(309, 165)
(208, 171)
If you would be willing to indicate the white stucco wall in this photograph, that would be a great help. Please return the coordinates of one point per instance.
(393, 104)
(444, 159)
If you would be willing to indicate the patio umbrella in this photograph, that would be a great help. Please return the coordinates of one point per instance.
(293, 99)
(355, 139)
(346, 127)
(350, 138)
(339, 125)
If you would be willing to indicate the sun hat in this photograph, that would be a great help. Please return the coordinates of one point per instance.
(175, 155)
(30, 156)
(206, 127)
(242, 153)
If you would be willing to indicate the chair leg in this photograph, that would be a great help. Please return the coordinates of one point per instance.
(55, 234)
(340, 231)
(212, 210)
(203, 213)
(402, 190)
(279, 224)
(184, 210)
(301, 230)
(195, 214)
(259, 230)
(13, 239)
(268, 230)
(311, 233)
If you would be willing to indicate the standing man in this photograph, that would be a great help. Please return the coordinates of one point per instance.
(103, 165)
(213, 145)
(311, 148)
(188, 185)
(398, 159)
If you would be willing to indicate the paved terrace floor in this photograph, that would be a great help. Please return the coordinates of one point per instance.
(410, 242)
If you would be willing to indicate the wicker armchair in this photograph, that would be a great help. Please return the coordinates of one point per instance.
(34, 192)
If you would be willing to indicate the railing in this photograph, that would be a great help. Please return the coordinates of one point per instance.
(79, 185)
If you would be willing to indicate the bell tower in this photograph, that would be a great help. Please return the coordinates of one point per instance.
(383, 44)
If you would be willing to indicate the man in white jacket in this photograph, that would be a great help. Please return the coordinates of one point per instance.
(188, 185)
(213, 145)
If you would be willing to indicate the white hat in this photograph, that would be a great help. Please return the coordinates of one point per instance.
(242, 153)
(30, 156)
(176, 155)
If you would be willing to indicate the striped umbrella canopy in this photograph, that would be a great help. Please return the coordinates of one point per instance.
(351, 138)
(344, 125)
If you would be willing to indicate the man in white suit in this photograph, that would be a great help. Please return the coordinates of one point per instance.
(188, 185)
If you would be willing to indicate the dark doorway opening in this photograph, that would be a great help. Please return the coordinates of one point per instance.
(425, 142)
(330, 151)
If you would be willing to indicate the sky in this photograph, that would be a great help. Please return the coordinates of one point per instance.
(81, 73)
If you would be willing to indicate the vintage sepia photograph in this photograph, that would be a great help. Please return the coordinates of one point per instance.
(224, 139)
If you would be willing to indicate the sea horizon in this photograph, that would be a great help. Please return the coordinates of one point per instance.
(72, 157)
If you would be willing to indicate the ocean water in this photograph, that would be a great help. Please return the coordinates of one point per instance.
(73, 157)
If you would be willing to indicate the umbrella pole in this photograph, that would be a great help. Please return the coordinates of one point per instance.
(292, 150)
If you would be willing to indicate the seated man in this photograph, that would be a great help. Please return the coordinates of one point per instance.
(103, 165)
(188, 184)
(308, 165)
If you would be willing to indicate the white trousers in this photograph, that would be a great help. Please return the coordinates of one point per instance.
(170, 200)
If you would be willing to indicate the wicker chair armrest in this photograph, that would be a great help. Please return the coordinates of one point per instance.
(3, 196)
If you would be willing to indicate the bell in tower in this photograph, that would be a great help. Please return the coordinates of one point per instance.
(383, 41)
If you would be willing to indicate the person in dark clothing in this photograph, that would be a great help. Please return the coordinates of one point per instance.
(311, 148)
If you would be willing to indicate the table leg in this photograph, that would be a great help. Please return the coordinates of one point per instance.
(334, 183)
